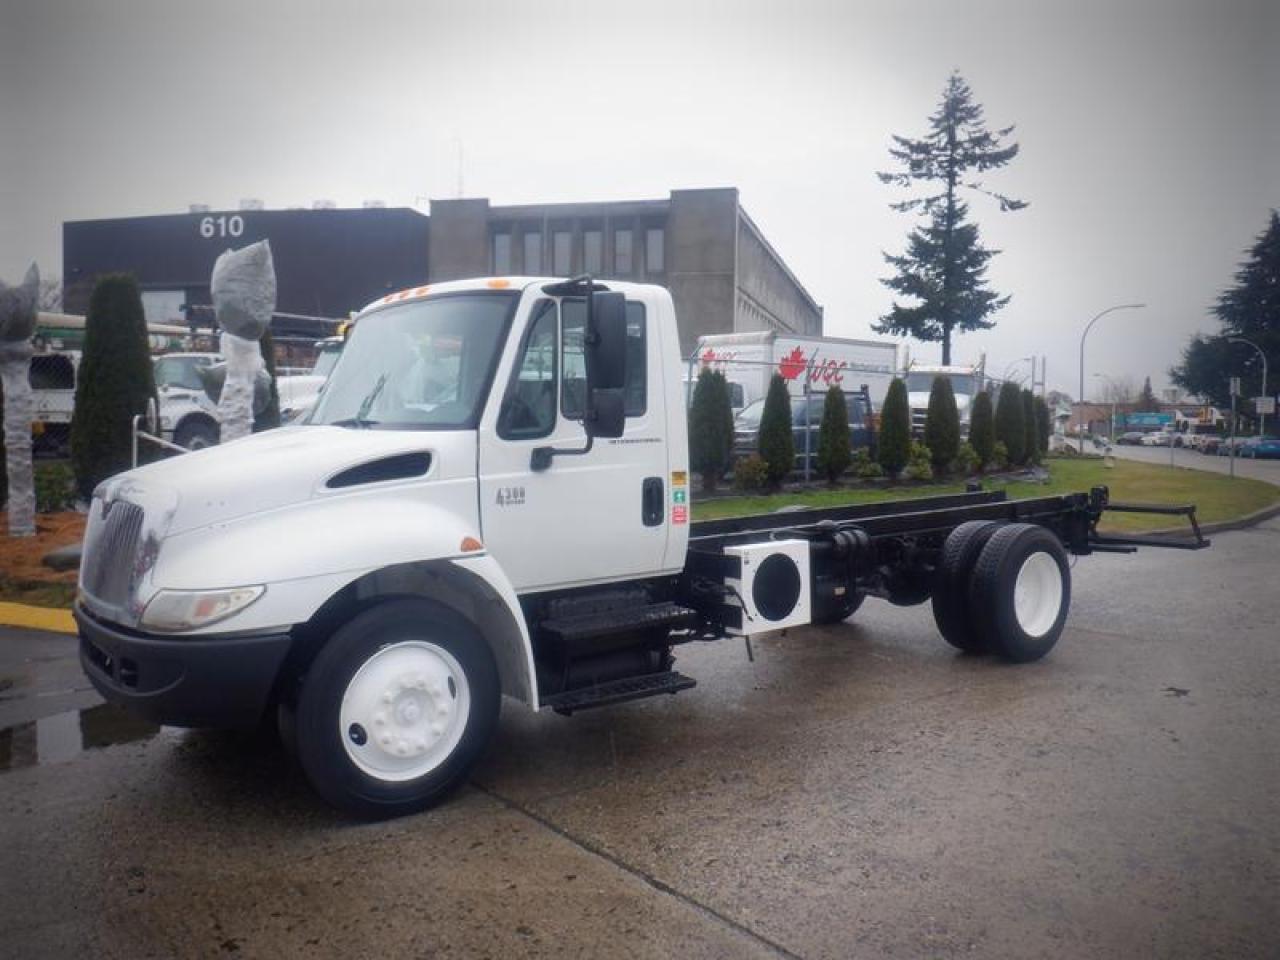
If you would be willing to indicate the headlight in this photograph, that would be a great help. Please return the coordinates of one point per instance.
(171, 611)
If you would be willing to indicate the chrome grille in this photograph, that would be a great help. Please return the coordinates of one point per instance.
(111, 550)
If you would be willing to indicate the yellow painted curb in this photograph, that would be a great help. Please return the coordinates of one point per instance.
(36, 618)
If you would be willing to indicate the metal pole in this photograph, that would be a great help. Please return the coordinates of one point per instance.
(1231, 450)
(807, 424)
(1262, 417)
(1089, 326)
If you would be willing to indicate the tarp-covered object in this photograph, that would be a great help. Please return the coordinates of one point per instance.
(17, 323)
(213, 376)
(244, 297)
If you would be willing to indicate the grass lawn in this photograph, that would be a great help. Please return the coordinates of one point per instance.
(1217, 497)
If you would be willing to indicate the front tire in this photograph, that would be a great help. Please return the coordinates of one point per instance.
(396, 709)
(1021, 591)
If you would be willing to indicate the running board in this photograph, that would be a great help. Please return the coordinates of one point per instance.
(618, 691)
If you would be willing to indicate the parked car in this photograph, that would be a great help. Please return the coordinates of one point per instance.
(746, 426)
(1209, 444)
(1132, 438)
(1261, 448)
(1225, 446)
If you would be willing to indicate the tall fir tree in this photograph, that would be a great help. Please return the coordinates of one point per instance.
(1147, 402)
(1250, 309)
(834, 454)
(777, 445)
(944, 268)
(710, 427)
(942, 425)
(1044, 426)
(982, 429)
(1010, 429)
(894, 446)
(1030, 445)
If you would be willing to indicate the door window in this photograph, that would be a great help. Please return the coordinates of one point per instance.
(574, 390)
(529, 408)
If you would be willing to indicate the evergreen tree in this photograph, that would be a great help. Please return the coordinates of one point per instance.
(942, 425)
(1030, 443)
(1250, 309)
(777, 446)
(982, 430)
(834, 454)
(894, 447)
(945, 265)
(114, 382)
(1044, 426)
(710, 427)
(1010, 430)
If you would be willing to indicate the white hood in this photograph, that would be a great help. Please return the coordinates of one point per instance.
(919, 400)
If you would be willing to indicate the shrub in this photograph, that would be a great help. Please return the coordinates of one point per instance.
(115, 382)
(55, 488)
(1030, 442)
(1000, 455)
(919, 466)
(710, 427)
(777, 446)
(895, 429)
(982, 429)
(1044, 426)
(834, 454)
(967, 460)
(942, 425)
(750, 474)
(864, 467)
(1010, 429)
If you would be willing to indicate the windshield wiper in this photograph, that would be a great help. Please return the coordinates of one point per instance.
(361, 419)
(354, 422)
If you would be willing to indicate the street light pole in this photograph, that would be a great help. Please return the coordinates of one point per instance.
(1089, 326)
(1262, 417)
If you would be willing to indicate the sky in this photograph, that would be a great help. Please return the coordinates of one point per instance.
(1150, 133)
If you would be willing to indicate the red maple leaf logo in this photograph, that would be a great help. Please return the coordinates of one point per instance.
(709, 357)
(792, 365)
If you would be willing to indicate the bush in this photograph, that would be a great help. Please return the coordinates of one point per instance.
(967, 460)
(750, 474)
(942, 425)
(982, 431)
(1000, 456)
(1044, 426)
(55, 488)
(114, 383)
(777, 446)
(1010, 429)
(919, 466)
(834, 454)
(1030, 442)
(710, 427)
(864, 468)
(894, 446)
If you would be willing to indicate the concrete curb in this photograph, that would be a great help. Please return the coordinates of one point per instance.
(1221, 526)
(51, 619)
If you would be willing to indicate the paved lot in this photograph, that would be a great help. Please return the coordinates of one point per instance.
(857, 791)
(1268, 470)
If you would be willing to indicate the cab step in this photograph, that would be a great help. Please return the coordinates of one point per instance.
(572, 630)
(618, 691)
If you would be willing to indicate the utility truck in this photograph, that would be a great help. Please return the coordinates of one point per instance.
(491, 498)
(966, 383)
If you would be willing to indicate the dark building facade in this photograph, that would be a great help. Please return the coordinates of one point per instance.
(700, 244)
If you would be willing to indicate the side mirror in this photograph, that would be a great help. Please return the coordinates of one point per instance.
(606, 414)
(606, 342)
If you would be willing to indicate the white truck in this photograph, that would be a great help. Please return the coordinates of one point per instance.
(966, 383)
(751, 360)
(491, 498)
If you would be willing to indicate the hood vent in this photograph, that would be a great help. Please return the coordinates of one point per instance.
(400, 467)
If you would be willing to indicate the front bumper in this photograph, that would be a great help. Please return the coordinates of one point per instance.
(182, 681)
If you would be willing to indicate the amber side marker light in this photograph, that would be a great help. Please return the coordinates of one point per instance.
(499, 284)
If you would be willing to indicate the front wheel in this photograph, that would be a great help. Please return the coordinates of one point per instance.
(396, 709)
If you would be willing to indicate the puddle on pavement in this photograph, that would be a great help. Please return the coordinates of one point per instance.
(64, 736)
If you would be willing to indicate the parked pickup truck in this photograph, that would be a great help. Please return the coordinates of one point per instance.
(491, 498)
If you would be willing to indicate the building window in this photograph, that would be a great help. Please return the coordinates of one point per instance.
(654, 250)
(622, 252)
(561, 245)
(593, 252)
(502, 253)
(532, 254)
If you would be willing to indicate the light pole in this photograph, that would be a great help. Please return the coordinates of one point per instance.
(1087, 327)
(1262, 417)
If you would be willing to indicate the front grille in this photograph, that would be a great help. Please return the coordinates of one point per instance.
(111, 550)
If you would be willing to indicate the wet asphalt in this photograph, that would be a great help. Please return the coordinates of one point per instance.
(856, 791)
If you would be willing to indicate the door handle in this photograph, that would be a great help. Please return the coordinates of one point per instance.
(651, 502)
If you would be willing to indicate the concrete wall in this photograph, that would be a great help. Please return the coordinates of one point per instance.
(767, 295)
(702, 261)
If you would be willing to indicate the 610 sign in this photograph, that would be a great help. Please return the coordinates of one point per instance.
(223, 226)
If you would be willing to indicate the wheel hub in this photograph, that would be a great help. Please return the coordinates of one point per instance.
(1037, 594)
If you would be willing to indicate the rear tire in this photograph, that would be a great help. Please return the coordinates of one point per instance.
(396, 709)
(1020, 592)
(849, 605)
(951, 610)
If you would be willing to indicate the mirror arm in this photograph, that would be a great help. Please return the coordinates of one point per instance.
(540, 458)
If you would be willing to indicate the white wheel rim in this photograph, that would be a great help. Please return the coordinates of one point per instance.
(404, 711)
(1037, 594)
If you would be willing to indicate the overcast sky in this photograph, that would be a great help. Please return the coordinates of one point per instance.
(1150, 132)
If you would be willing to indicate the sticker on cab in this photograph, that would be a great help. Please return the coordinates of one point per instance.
(679, 514)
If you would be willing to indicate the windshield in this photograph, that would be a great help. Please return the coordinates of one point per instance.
(181, 372)
(422, 365)
(923, 382)
(327, 360)
(749, 418)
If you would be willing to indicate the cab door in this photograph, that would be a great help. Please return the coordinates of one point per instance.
(589, 517)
